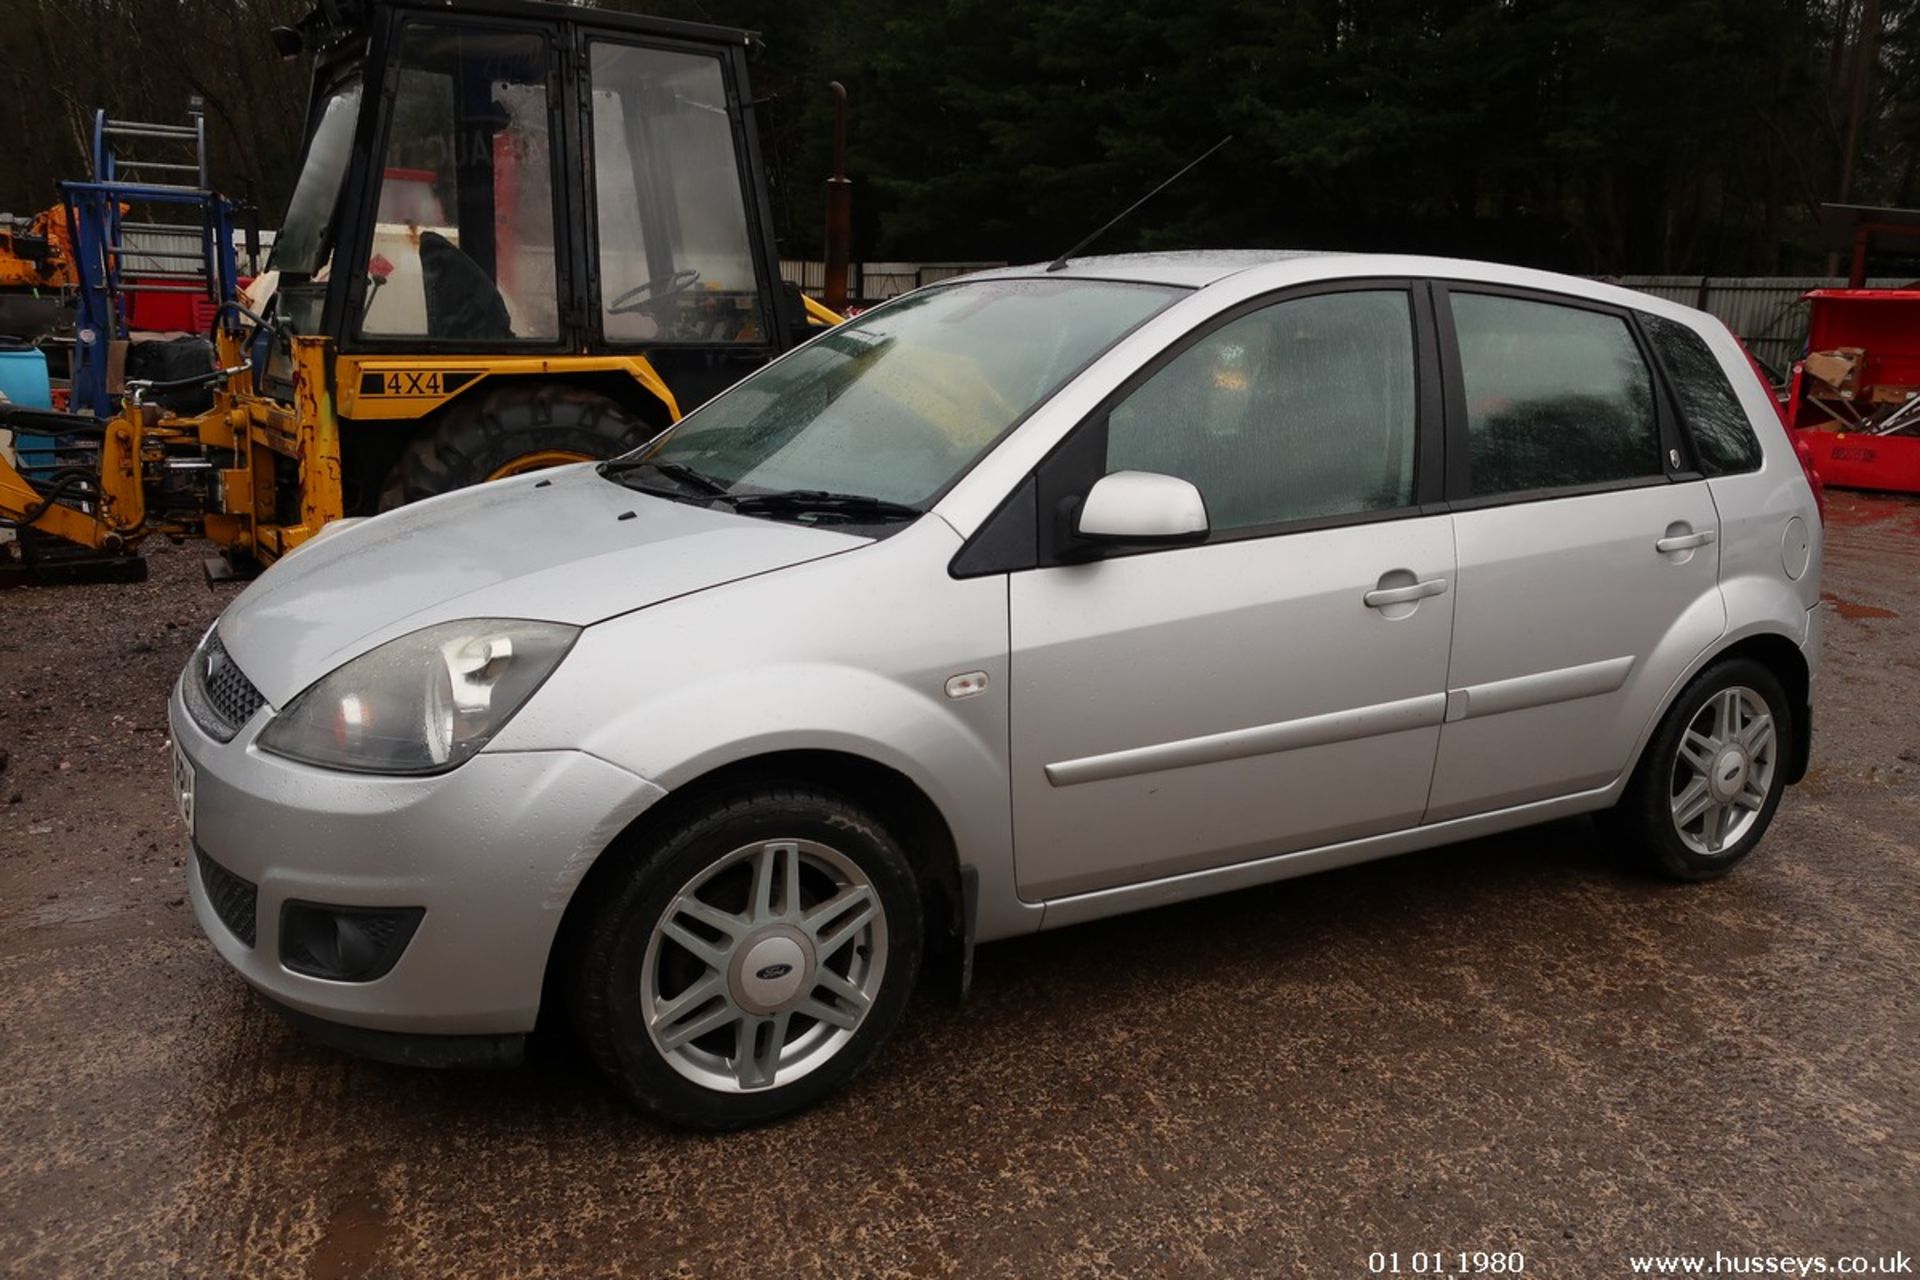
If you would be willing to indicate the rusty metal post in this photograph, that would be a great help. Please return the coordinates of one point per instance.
(1865, 55)
(839, 208)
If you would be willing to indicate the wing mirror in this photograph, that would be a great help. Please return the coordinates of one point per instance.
(1142, 508)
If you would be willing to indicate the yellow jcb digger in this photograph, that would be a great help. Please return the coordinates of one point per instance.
(523, 234)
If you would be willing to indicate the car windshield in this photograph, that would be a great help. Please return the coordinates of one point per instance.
(305, 240)
(896, 404)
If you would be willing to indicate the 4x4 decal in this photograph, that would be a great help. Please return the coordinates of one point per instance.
(425, 383)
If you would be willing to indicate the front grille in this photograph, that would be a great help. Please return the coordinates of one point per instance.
(219, 696)
(234, 900)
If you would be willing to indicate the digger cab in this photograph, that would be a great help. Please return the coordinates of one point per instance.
(516, 190)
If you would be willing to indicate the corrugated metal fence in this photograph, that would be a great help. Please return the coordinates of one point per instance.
(168, 243)
(1766, 311)
(870, 282)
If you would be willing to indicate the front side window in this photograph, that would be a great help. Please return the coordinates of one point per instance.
(670, 210)
(1556, 396)
(1715, 419)
(463, 244)
(1302, 410)
(896, 404)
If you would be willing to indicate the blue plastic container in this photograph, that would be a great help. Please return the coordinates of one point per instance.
(23, 380)
(23, 377)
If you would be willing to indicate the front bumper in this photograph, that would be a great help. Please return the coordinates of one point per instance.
(409, 1048)
(491, 851)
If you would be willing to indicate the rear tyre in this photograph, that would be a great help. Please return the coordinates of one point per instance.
(1709, 781)
(750, 962)
(509, 430)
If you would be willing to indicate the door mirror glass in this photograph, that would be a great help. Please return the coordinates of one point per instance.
(1142, 508)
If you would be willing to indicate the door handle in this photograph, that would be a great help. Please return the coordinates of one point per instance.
(1684, 541)
(1381, 597)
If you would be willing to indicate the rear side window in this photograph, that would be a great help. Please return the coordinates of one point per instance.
(1722, 435)
(1556, 396)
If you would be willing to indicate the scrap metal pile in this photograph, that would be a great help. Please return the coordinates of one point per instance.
(1855, 397)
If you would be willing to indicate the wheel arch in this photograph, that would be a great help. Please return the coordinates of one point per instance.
(622, 386)
(906, 810)
(1781, 654)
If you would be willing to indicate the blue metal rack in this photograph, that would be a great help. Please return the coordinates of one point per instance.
(96, 213)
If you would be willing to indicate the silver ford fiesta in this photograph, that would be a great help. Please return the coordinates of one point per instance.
(1022, 600)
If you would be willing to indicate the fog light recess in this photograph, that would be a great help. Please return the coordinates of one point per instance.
(344, 944)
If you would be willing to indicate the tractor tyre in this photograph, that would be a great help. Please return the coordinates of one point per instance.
(508, 431)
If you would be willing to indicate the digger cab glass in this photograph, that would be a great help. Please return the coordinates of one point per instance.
(306, 234)
(675, 260)
(303, 249)
(463, 239)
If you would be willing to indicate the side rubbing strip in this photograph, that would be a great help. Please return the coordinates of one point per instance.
(1538, 690)
(1263, 739)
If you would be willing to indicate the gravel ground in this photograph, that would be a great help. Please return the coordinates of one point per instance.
(1510, 1044)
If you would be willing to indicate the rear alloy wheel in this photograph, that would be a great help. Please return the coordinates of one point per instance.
(753, 961)
(1712, 776)
(1723, 771)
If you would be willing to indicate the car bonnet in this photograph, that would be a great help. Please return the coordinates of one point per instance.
(566, 545)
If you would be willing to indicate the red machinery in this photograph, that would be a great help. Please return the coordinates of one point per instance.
(1854, 398)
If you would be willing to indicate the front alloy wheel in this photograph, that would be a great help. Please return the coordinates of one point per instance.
(748, 961)
(764, 965)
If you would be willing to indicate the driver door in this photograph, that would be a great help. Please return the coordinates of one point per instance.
(1280, 686)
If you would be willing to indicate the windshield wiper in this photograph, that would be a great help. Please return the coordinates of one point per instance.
(679, 471)
(856, 507)
(852, 507)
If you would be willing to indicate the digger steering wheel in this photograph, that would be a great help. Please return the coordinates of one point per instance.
(652, 293)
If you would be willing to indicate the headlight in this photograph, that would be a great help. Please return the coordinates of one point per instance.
(423, 703)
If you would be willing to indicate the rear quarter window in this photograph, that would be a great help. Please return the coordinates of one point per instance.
(1722, 435)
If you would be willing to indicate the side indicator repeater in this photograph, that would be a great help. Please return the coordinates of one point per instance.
(966, 684)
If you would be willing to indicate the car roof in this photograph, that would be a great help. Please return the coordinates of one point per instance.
(1200, 268)
(1191, 268)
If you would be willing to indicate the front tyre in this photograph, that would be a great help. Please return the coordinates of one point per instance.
(752, 961)
(1710, 780)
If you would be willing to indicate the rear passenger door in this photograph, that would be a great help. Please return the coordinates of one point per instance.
(1587, 557)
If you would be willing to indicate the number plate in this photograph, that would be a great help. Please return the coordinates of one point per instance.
(183, 787)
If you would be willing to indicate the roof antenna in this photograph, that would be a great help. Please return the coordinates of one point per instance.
(1061, 261)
